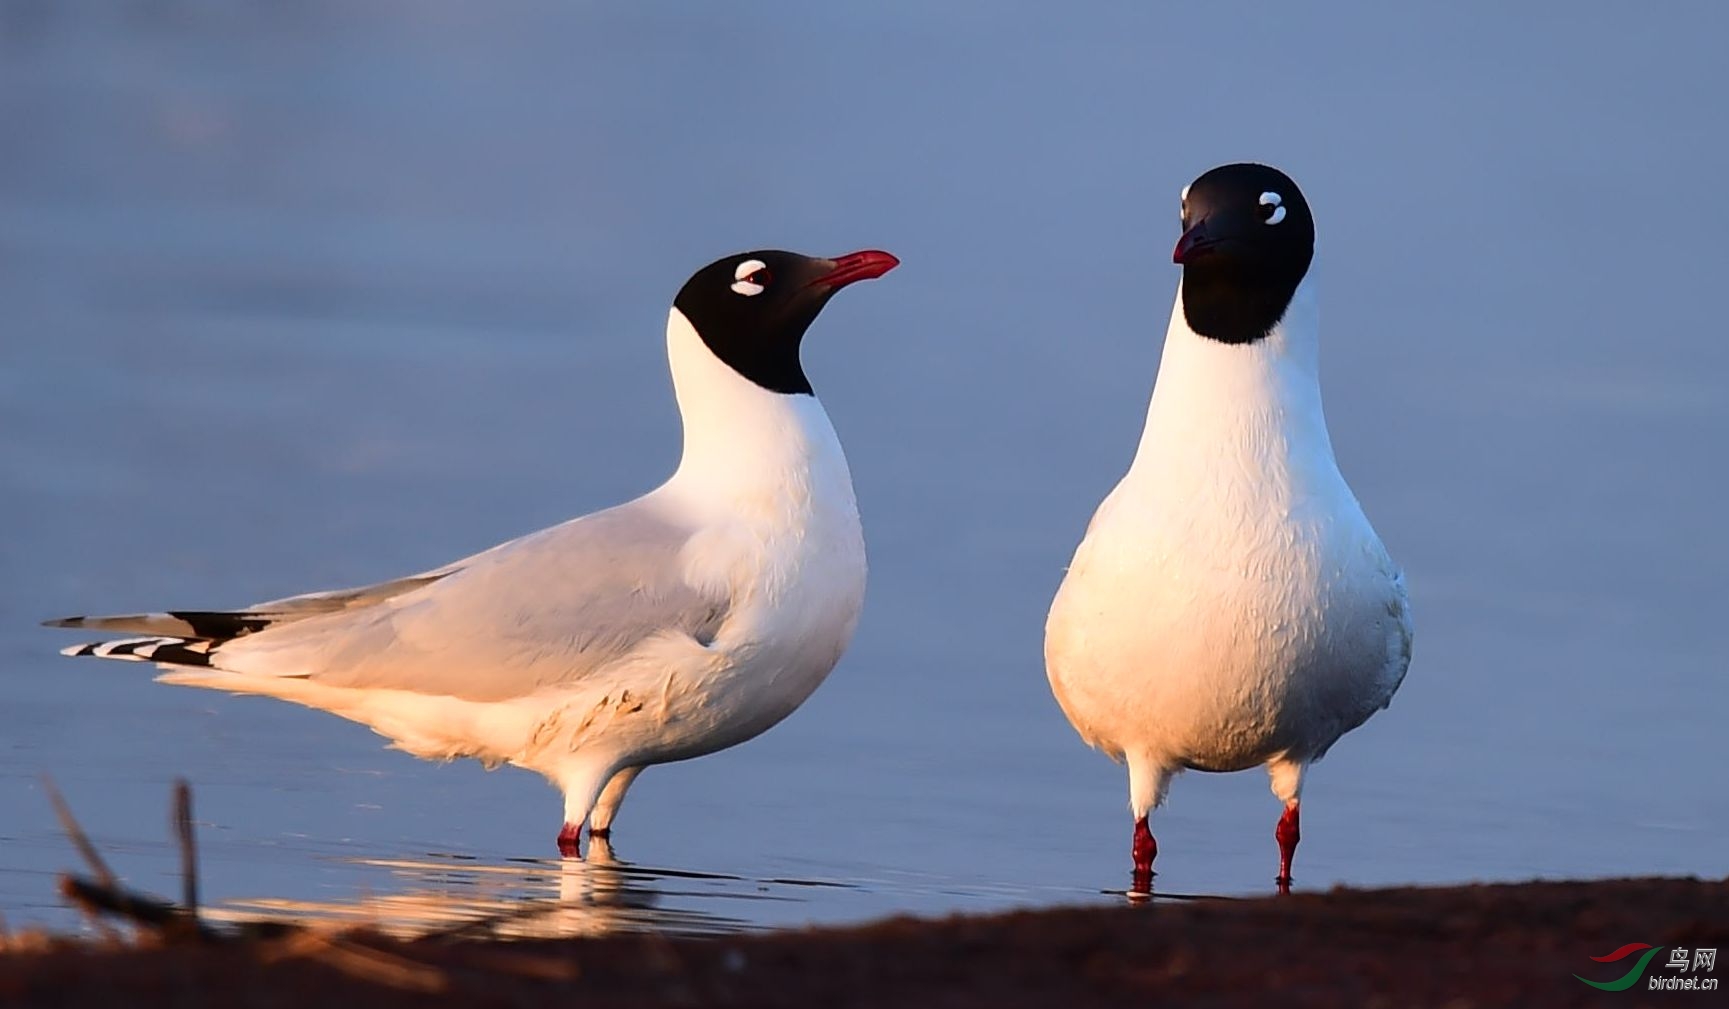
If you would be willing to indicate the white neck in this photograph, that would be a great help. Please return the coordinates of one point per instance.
(1261, 399)
(748, 450)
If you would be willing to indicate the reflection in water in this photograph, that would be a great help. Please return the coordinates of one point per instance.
(1137, 896)
(529, 899)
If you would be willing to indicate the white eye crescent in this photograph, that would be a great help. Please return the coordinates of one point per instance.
(1272, 208)
(1183, 198)
(750, 277)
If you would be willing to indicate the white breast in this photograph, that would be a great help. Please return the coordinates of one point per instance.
(764, 479)
(1230, 600)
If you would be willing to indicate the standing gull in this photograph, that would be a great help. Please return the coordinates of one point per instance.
(1230, 605)
(678, 624)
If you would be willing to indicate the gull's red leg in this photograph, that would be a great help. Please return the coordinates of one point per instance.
(567, 838)
(1288, 835)
(1145, 849)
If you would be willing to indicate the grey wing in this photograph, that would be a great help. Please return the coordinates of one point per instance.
(225, 625)
(542, 610)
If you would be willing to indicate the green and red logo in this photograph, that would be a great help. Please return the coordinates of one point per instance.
(1701, 961)
(1633, 974)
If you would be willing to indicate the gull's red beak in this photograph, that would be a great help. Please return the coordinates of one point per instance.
(866, 265)
(1194, 242)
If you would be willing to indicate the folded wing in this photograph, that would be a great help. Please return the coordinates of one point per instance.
(534, 613)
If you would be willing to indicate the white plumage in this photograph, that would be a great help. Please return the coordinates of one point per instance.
(683, 622)
(1230, 605)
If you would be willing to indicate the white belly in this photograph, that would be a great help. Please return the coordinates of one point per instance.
(1221, 652)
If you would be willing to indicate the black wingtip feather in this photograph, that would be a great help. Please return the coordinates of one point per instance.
(221, 626)
(179, 654)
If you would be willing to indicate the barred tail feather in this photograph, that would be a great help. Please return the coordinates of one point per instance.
(172, 651)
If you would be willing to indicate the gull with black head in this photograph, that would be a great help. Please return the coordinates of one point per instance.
(1230, 605)
(678, 624)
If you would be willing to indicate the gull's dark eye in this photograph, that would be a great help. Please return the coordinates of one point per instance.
(751, 277)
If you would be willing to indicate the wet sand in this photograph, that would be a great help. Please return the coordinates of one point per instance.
(1480, 945)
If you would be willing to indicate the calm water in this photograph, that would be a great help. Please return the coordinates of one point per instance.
(310, 296)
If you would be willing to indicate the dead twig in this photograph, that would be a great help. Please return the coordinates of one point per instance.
(188, 848)
(75, 833)
(105, 896)
(80, 840)
(142, 910)
(100, 898)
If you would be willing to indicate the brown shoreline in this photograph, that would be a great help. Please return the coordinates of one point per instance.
(1480, 945)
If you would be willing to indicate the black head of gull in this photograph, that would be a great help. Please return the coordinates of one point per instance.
(752, 309)
(1248, 239)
